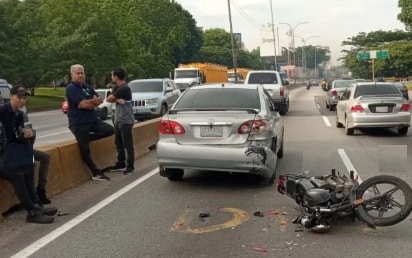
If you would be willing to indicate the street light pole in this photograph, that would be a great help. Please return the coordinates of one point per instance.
(273, 34)
(292, 35)
(233, 43)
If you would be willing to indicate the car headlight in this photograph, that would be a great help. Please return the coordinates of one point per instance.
(152, 101)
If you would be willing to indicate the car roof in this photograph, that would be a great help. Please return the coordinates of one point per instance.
(226, 85)
(150, 79)
(263, 71)
(374, 83)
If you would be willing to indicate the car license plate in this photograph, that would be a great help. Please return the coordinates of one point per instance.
(381, 109)
(214, 131)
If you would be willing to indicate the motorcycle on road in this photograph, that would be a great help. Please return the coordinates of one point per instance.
(382, 200)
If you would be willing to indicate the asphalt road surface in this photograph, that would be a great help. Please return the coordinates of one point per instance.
(211, 214)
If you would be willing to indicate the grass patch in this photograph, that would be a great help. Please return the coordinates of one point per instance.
(408, 84)
(46, 98)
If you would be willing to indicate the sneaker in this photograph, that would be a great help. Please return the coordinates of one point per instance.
(118, 166)
(128, 171)
(38, 217)
(100, 177)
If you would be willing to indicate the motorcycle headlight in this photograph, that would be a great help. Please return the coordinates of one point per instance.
(152, 101)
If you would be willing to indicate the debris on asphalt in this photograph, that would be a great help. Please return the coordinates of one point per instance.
(260, 249)
(273, 213)
(299, 229)
(258, 214)
(204, 215)
(62, 213)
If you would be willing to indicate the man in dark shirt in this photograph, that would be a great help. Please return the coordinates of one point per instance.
(123, 122)
(22, 178)
(84, 123)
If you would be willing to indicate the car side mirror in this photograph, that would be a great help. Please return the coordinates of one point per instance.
(169, 89)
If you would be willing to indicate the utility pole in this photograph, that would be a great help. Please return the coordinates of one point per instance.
(233, 43)
(273, 34)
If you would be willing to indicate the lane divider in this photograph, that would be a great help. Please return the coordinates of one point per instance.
(326, 121)
(348, 164)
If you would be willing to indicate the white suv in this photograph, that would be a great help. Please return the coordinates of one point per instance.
(153, 97)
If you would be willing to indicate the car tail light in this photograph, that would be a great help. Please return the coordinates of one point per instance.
(253, 127)
(281, 184)
(282, 91)
(357, 108)
(405, 107)
(171, 127)
(334, 93)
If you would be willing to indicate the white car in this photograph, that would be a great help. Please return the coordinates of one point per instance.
(106, 109)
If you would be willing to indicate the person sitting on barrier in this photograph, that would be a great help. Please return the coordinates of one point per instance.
(44, 162)
(17, 160)
(83, 120)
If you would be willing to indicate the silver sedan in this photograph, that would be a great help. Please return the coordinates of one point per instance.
(373, 105)
(335, 92)
(228, 128)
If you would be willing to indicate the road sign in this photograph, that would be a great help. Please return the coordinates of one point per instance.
(364, 55)
(382, 54)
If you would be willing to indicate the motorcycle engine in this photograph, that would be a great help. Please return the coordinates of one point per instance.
(316, 197)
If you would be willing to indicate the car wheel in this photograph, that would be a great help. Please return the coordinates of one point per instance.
(348, 131)
(280, 152)
(268, 180)
(331, 107)
(104, 114)
(163, 110)
(175, 174)
(403, 130)
(338, 124)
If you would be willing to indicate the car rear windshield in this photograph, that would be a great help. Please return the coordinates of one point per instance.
(223, 98)
(263, 78)
(146, 86)
(343, 83)
(376, 89)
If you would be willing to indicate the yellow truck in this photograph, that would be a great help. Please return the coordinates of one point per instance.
(188, 75)
(242, 72)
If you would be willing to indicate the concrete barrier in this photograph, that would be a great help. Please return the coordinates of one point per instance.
(68, 170)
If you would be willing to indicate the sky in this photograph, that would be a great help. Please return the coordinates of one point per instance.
(326, 22)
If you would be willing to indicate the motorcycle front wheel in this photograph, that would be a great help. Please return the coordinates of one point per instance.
(394, 205)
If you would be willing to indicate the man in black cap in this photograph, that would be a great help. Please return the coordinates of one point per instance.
(13, 134)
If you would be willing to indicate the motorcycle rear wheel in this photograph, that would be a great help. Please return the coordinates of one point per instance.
(375, 211)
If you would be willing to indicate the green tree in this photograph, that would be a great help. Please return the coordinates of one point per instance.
(22, 58)
(397, 42)
(405, 15)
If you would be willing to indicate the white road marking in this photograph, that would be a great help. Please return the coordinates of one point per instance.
(52, 134)
(348, 164)
(34, 247)
(326, 121)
